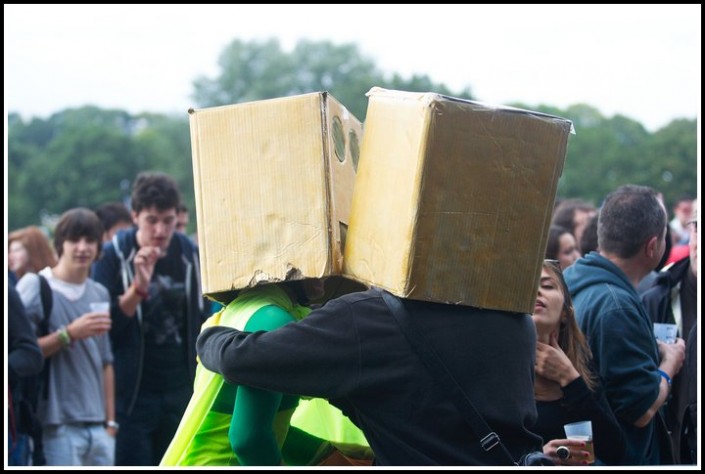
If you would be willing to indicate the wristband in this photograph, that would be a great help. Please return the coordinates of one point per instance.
(64, 336)
(665, 376)
(112, 424)
(141, 293)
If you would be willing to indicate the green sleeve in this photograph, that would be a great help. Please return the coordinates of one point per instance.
(251, 432)
(304, 449)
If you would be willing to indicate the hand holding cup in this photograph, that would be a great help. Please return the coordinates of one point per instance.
(582, 431)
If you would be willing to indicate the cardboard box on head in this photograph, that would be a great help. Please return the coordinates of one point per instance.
(453, 199)
(273, 183)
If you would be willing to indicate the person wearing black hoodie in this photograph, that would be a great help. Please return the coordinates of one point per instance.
(152, 274)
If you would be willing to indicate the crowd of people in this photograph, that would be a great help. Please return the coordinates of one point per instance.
(163, 377)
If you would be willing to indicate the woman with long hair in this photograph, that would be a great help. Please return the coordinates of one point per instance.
(565, 387)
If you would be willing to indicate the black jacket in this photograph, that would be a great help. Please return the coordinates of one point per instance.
(24, 358)
(352, 352)
(656, 297)
(658, 301)
(115, 270)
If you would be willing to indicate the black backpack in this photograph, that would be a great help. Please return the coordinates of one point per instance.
(32, 388)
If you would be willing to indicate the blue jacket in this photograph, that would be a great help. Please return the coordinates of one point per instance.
(620, 334)
(115, 270)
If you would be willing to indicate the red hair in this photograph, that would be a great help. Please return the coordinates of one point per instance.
(38, 248)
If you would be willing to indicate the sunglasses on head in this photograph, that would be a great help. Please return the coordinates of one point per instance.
(554, 264)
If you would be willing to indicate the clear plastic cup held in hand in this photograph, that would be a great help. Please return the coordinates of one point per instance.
(666, 332)
(101, 307)
(582, 431)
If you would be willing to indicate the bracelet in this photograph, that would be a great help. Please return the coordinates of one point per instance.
(141, 293)
(64, 336)
(665, 376)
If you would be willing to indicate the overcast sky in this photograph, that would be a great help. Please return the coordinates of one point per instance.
(639, 61)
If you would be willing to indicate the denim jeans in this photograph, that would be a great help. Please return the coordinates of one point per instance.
(19, 450)
(78, 444)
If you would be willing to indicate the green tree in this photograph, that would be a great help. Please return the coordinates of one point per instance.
(163, 143)
(84, 156)
(423, 83)
(606, 152)
(249, 71)
(671, 160)
(261, 70)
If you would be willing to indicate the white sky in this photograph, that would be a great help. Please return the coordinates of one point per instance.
(639, 61)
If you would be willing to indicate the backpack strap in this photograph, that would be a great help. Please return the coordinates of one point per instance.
(445, 378)
(47, 299)
(126, 271)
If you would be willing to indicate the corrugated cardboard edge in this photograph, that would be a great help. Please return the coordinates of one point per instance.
(195, 159)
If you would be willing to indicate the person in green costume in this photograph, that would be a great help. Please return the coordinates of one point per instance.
(228, 425)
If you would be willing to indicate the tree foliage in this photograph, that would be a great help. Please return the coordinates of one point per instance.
(87, 156)
(260, 70)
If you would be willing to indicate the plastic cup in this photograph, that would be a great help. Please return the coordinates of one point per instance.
(666, 332)
(582, 431)
(101, 307)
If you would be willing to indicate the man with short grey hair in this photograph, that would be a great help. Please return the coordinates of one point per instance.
(635, 369)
